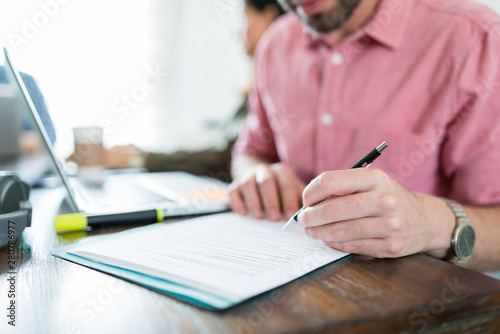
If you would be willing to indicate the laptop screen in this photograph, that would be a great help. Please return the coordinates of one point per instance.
(27, 103)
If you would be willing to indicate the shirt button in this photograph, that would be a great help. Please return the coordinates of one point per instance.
(327, 119)
(337, 59)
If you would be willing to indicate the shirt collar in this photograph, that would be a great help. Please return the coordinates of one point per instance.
(387, 26)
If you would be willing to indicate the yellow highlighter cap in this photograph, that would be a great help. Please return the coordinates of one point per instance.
(71, 222)
(159, 214)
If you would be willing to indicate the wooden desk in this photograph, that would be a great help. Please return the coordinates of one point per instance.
(354, 295)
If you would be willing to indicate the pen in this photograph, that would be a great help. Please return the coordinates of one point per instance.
(366, 161)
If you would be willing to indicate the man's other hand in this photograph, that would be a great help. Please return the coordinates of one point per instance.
(268, 191)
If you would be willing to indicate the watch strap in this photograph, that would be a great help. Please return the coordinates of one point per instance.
(461, 218)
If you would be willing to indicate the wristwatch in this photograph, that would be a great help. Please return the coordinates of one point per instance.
(463, 238)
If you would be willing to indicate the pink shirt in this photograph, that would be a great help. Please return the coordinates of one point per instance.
(423, 75)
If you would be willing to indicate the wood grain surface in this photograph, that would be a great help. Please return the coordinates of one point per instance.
(415, 294)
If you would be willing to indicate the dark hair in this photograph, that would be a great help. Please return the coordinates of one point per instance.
(260, 5)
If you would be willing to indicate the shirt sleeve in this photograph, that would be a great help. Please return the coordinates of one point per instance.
(256, 137)
(471, 152)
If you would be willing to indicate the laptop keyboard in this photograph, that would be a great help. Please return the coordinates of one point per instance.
(120, 194)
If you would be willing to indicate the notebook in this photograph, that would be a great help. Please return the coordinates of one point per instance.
(176, 193)
(215, 261)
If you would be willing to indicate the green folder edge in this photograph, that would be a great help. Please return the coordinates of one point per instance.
(182, 292)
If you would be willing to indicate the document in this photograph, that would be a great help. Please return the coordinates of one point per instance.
(227, 255)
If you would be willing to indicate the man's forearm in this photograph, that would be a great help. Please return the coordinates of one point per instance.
(486, 222)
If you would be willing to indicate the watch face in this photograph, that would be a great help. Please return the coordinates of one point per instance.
(466, 239)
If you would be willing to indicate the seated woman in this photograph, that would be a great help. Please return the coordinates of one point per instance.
(259, 14)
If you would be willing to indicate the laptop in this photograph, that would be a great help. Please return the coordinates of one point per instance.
(177, 193)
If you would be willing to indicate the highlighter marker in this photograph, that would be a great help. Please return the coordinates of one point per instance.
(80, 221)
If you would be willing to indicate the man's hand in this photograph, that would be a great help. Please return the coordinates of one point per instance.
(124, 157)
(30, 143)
(116, 157)
(369, 213)
(269, 189)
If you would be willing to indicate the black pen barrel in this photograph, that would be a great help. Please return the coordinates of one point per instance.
(368, 159)
(150, 216)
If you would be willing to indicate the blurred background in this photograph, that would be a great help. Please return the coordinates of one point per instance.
(160, 74)
(91, 59)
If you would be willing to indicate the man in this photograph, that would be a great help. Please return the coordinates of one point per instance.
(337, 78)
